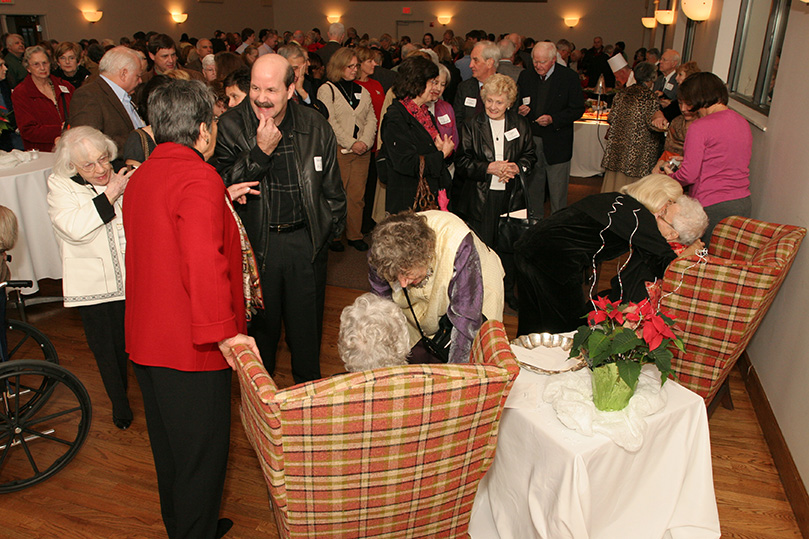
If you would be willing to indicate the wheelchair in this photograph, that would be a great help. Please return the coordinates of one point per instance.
(45, 410)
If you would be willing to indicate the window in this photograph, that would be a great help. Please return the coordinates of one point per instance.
(756, 52)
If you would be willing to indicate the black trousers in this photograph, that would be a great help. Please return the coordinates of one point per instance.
(294, 291)
(188, 419)
(104, 328)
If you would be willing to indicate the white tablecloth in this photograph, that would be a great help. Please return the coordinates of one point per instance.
(550, 482)
(588, 148)
(24, 190)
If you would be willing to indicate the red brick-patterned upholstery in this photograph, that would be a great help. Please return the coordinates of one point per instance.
(719, 305)
(396, 452)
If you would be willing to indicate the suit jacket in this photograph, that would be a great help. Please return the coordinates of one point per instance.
(467, 100)
(327, 50)
(385, 77)
(183, 263)
(96, 105)
(477, 151)
(509, 69)
(565, 104)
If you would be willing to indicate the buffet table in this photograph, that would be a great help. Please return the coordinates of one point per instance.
(548, 481)
(24, 190)
(588, 148)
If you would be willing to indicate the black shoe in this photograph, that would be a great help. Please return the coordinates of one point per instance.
(223, 527)
(359, 245)
(337, 247)
(122, 424)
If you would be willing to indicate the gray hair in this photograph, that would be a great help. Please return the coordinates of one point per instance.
(432, 54)
(8, 37)
(691, 221)
(30, 51)
(117, 59)
(177, 109)
(489, 51)
(564, 44)
(292, 50)
(208, 60)
(547, 50)
(645, 72)
(507, 49)
(337, 30)
(71, 148)
(407, 49)
(444, 70)
(373, 334)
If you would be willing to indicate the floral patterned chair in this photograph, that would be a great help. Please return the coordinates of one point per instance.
(394, 452)
(719, 304)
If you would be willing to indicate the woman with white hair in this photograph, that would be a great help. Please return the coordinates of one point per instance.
(553, 257)
(373, 334)
(84, 199)
(209, 68)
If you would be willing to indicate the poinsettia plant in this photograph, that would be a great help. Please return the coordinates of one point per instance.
(629, 335)
(5, 125)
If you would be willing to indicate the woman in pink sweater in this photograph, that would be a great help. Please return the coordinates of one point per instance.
(716, 155)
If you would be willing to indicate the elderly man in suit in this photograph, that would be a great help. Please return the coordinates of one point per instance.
(104, 102)
(551, 98)
(507, 52)
(485, 58)
(204, 48)
(337, 34)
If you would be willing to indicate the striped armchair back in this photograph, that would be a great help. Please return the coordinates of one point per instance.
(395, 452)
(719, 305)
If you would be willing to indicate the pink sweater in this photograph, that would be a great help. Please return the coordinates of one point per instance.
(716, 157)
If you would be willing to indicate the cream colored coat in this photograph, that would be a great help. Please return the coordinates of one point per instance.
(92, 251)
(343, 118)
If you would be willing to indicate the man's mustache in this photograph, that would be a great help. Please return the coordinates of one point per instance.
(263, 104)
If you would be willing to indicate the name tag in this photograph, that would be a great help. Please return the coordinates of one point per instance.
(64, 89)
(444, 119)
(318, 163)
(511, 134)
(526, 100)
(668, 86)
(470, 102)
(358, 96)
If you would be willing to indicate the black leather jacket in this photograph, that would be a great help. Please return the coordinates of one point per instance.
(477, 151)
(237, 158)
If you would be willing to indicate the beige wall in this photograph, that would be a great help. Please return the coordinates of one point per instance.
(64, 21)
(779, 172)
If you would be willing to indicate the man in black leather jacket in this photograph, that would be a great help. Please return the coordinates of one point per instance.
(292, 152)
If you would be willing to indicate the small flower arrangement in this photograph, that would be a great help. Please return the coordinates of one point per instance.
(623, 337)
(5, 125)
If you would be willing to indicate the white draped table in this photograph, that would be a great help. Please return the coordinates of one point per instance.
(24, 190)
(551, 482)
(588, 148)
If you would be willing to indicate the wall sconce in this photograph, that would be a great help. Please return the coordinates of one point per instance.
(665, 16)
(697, 10)
(648, 22)
(445, 19)
(333, 18)
(92, 16)
(179, 18)
(570, 22)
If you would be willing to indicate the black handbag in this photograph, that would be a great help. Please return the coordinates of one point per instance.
(433, 349)
(510, 229)
(382, 163)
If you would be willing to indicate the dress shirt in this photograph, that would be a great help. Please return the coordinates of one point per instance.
(265, 49)
(126, 100)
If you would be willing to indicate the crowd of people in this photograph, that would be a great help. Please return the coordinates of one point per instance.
(201, 184)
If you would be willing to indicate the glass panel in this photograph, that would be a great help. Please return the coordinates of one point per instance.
(757, 19)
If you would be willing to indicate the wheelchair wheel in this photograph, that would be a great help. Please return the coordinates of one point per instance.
(24, 341)
(27, 342)
(38, 441)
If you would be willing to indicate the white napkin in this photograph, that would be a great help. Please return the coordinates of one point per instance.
(14, 157)
(571, 395)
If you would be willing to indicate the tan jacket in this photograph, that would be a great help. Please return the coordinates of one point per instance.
(343, 118)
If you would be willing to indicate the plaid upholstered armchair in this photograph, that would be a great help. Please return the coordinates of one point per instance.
(395, 452)
(719, 305)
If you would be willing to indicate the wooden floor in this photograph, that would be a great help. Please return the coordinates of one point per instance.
(109, 490)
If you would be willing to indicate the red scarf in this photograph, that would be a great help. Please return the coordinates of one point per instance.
(422, 114)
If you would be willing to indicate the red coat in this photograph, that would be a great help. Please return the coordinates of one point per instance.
(39, 120)
(183, 263)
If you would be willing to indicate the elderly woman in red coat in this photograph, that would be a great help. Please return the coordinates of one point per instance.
(184, 308)
(41, 101)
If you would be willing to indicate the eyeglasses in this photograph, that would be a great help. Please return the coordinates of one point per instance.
(352, 66)
(662, 213)
(102, 162)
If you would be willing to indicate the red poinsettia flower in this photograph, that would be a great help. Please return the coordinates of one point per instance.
(655, 330)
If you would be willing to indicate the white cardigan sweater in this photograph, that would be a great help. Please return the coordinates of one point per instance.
(92, 251)
(343, 118)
